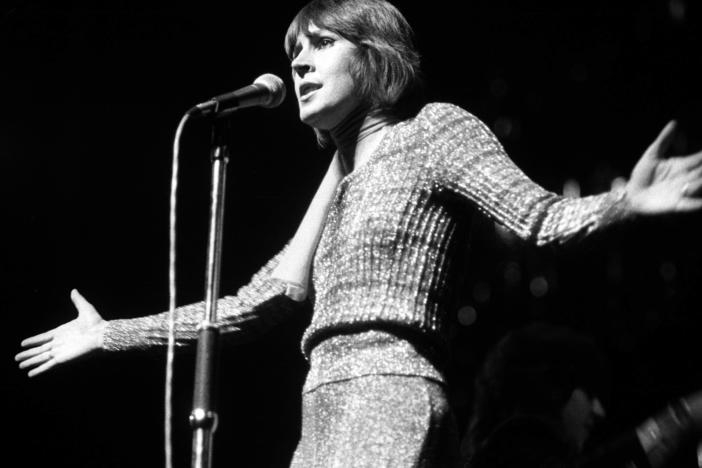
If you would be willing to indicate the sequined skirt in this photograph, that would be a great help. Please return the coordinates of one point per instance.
(377, 421)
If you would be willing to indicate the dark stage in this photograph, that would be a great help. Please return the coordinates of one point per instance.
(92, 95)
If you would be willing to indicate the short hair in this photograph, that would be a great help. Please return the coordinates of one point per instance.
(386, 69)
(533, 371)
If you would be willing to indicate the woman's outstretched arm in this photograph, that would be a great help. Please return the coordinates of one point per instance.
(270, 296)
(256, 306)
(476, 167)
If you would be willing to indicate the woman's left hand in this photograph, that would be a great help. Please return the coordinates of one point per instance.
(660, 185)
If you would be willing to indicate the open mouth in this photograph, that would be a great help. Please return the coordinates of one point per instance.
(308, 88)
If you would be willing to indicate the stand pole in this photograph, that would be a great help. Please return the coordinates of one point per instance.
(203, 418)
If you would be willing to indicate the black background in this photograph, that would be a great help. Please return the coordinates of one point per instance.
(92, 94)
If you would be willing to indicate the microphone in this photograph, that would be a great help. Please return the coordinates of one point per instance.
(266, 91)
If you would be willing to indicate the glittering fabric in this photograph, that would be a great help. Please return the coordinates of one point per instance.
(382, 279)
(377, 421)
(390, 245)
(255, 308)
(373, 352)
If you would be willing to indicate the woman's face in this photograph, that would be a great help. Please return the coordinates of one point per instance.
(323, 85)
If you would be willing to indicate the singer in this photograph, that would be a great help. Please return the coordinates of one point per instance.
(378, 251)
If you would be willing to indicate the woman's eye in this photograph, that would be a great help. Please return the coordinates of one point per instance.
(325, 42)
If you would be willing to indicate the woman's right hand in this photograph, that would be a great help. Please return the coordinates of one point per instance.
(64, 343)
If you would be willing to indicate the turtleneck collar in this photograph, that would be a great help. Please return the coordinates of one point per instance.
(360, 124)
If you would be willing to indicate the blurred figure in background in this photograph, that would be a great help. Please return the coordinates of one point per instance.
(538, 397)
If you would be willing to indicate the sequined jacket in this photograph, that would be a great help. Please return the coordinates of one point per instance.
(389, 249)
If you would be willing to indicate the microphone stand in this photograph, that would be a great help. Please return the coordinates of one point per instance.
(203, 418)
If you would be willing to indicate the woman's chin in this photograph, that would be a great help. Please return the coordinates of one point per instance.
(313, 120)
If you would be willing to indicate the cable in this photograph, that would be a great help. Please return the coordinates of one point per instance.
(168, 443)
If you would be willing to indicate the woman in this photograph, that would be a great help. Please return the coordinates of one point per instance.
(378, 247)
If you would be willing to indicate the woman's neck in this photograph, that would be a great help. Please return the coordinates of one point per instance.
(357, 136)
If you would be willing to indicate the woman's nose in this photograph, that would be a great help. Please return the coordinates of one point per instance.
(301, 64)
(301, 70)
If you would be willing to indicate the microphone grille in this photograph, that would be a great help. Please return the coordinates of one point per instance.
(275, 86)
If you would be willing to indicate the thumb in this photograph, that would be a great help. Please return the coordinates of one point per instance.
(82, 305)
(662, 142)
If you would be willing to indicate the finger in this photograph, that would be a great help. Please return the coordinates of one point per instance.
(32, 352)
(41, 358)
(687, 163)
(79, 301)
(43, 368)
(693, 160)
(695, 174)
(37, 339)
(692, 188)
(663, 140)
(689, 204)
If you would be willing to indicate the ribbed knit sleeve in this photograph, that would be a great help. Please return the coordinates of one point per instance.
(254, 309)
(474, 165)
